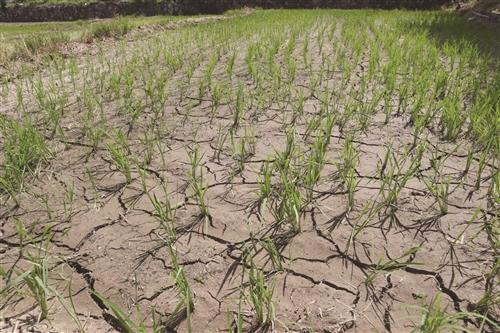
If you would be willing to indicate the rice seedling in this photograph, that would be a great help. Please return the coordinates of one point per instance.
(198, 185)
(126, 323)
(440, 190)
(119, 151)
(436, 319)
(187, 303)
(239, 107)
(347, 170)
(163, 211)
(230, 66)
(69, 199)
(274, 255)
(288, 204)
(265, 184)
(220, 140)
(393, 264)
(36, 277)
(236, 325)
(243, 149)
(260, 295)
(316, 161)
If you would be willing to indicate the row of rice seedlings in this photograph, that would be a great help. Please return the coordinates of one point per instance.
(165, 213)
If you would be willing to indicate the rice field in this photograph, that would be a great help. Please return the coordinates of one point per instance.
(282, 171)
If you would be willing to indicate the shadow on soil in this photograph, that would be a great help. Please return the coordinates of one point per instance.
(452, 29)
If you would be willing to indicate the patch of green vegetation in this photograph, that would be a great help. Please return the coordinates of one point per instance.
(24, 150)
(23, 40)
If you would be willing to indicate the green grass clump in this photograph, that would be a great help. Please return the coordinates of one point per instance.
(114, 28)
(24, 150)
(35, 44)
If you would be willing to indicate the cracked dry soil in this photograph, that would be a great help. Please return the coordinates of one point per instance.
(108, 238)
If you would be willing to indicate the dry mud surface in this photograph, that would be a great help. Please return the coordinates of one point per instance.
(347, 269)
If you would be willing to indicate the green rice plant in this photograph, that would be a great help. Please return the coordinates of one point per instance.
(198, 185)
(187, 302)
(93, 184)
(209, 70)
(298, 107)
(440, 190)
(468, 163)
(394, 177)
(373, 63)
(265, 183)
(36, 277)
(393, 264)
(127, 324)
(315, 163)
(148, 142)
(284, 159)
(291, 70)
(236, 325)
(288, 204)
(220, 140)
(156, 90)
(313, 123)
(24, 152)
(69, 199)
(494, 189)
(230, 65)
(37, 282)
(435, 318)
(243, 149)
(249, 60)
(272, 252)
(260, 296)
(484, 124)
(486, 305)
(93, 128)
(52, 104)
(120, 151)
(452, 119)
(305, 52)
(347, 169)
(163, 211)
(216, 92)
(480, 168)
(239, 107)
